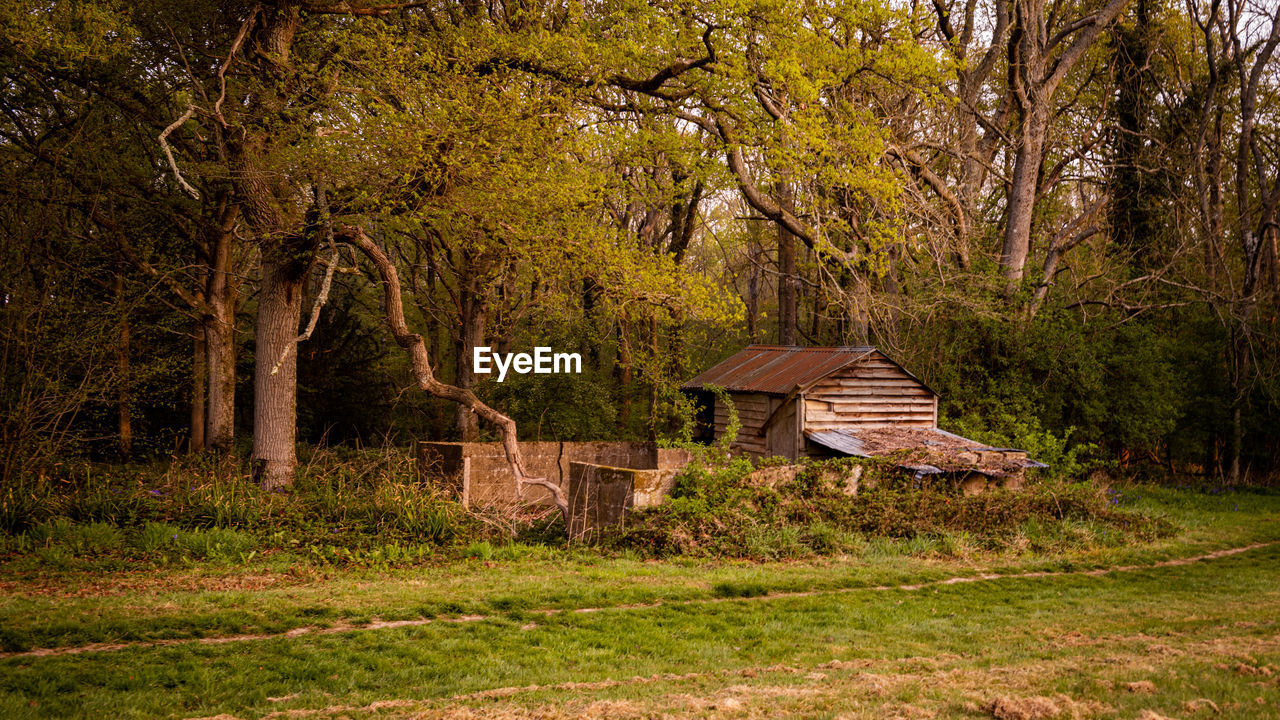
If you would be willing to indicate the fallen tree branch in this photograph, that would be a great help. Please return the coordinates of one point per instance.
(393, 305)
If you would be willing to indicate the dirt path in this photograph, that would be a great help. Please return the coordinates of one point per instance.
(382, 625)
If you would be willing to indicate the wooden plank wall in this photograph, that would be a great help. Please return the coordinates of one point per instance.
(783, 437)
(753, 409)
(869, 394)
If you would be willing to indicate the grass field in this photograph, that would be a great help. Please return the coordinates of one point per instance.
(550, 633)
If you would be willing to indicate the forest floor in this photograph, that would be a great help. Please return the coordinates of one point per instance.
(1180, 628)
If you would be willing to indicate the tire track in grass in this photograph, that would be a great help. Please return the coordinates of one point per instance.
(877, 673)
(309, 630)
(570, 686)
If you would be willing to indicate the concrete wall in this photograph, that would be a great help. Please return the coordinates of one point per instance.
(600, 496)
(478, 472)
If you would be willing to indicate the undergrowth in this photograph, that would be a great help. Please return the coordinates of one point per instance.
(716, 511)
(370, 509)
(346, 507)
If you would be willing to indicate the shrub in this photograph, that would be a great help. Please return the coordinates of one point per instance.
(105, 500)
(201, 509)
(216, 544)
(715, 512)
(482, 550)
(155, 537)
(95, 539)
(1066, 460)
(25, 503)
(219, 503)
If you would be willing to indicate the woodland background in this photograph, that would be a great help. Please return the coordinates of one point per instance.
(1060, 214)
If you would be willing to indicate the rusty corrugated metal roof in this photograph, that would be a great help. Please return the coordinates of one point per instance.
(777, 369)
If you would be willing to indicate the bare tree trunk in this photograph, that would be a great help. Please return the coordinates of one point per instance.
(220, 364)
(1076, 232)
(890, 318)
(276, 372)
(787, 284)
(1029, 154)
(1236, 446)
(1036, 69)
(625, 378)
(1273, 259)
(470, 336)
(199, 375)
(504, 327)
(1254, 223)
(1208, 175)
(753, 294)
(220, 348)
(425, 376)
(221, 294)
(957, 27)
(587, 346)
(124, 397)
(676, 348)
(654, 376)
(268, 199)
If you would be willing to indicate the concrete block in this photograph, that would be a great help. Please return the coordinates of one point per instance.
(488, 479)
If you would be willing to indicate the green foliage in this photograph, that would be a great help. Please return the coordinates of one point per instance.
(89, 540)
(60, 542)
(1069, 392)
(719, 453)
(380, 557)
(559, 407)
(519, 164)
(1065, 460)
(215, 544)
(364, 508)
(715, 511)
(482, 550)
(154, 537)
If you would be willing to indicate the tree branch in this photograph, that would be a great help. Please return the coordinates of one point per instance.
(393, 305)
(1082, 43)
(168, 152)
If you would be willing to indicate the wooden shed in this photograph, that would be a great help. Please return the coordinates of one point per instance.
(814, 402)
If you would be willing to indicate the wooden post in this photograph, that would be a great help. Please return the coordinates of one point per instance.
(466, 482)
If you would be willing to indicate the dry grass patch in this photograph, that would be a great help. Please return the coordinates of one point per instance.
(1141, 686)
(1028, 708)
